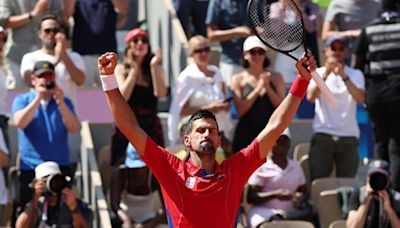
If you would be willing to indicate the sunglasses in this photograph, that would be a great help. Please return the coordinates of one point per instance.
(143, 39)
(257, 52)
(201, 50)
(51, 30)
(338, 48)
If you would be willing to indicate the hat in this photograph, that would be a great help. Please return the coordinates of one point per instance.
(133, 159)
(380, 166)
(334, 38)
(46, 169)
(253, 42)
(133, 33)
(41, 67)
(286, 132)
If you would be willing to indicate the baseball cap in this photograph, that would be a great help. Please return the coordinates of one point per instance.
(334, 38)
(380, 166)
(46, 169)
(41, 67)
(133, 159)
(133, 33)
(253, 42)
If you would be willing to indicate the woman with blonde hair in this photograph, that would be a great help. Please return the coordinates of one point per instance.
(199, 86)
(256, 92)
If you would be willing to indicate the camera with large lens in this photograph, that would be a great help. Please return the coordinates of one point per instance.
(56, 183)
(50, 84)
(378, 181)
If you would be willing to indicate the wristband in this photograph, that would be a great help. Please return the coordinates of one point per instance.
(299, 87)
(108, 82)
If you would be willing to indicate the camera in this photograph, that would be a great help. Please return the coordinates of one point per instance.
(378, 181)
(56, 183)
(50, 84)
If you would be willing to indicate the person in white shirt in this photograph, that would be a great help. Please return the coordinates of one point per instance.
(336, 132)
(69, 69)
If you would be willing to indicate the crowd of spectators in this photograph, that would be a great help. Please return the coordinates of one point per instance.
(41, 50)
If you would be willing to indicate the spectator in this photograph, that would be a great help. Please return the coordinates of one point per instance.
(376, 204)
(133, 189)
(3, 90)
(376, 53)
(199, 86)
(43, 118)
(310, 13)
(141, 82)
(201, 186)
(336, 132)
(257, 93)
(69, 69)
(194, 11)
(4, 157)
(94, 31)
(277, 189)
(52, 204)
(22, 18)
(347, 17)
(227, 23)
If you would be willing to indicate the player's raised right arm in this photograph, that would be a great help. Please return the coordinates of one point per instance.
(123, 115)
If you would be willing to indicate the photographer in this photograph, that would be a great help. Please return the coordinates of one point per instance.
(376, 204)
(52, 204)
(44, 117)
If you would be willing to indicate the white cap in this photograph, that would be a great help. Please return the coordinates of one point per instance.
(286, 132)
(46, 169)
(253, 42)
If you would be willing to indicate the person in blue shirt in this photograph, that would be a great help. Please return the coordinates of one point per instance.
(43, 117)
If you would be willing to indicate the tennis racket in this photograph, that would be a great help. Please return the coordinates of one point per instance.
(279, 25)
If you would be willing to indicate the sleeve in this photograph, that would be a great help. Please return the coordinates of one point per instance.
(68, 102)
(163, 164)
(256, 178)
(354, 201)
(18, 103)
(27, 63)
(358, 79)
(213, 12)
(5, 11)
(361, 44)
(246, 161)
(78, 61)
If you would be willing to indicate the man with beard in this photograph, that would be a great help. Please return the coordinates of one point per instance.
(201, 192)
(69, 69)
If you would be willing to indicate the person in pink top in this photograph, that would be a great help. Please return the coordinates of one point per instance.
(277, 190)
(201, 192)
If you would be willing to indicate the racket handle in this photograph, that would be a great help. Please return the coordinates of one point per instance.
(324, 89)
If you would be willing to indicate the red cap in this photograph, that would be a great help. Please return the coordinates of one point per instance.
(133, 33)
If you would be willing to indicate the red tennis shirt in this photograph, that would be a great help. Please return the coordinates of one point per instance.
(194, 201)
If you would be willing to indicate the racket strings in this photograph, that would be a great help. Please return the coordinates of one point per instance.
(278, 23)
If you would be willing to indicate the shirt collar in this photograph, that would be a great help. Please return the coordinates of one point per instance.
(194, 170)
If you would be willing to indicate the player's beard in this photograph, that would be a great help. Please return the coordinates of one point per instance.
(207, 147)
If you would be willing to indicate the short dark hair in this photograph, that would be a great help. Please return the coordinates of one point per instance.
(201, 114)
(48, 17)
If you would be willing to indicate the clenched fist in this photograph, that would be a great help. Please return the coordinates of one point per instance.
(107, 63)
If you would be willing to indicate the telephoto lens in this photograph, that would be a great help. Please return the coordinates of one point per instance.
(56, 183)
(378, 181)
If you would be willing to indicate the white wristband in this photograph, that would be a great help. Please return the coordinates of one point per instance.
(108, 82)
